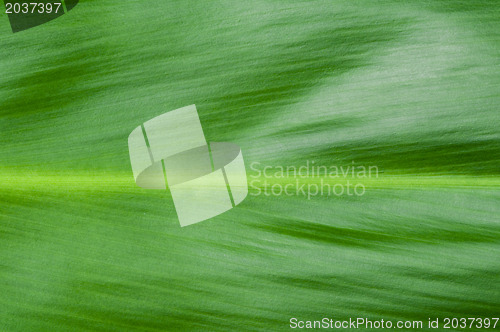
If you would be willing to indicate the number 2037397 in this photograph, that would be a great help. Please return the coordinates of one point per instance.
(32, 8)
(478, 323)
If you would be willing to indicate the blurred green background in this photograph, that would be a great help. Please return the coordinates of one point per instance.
(412, 87)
